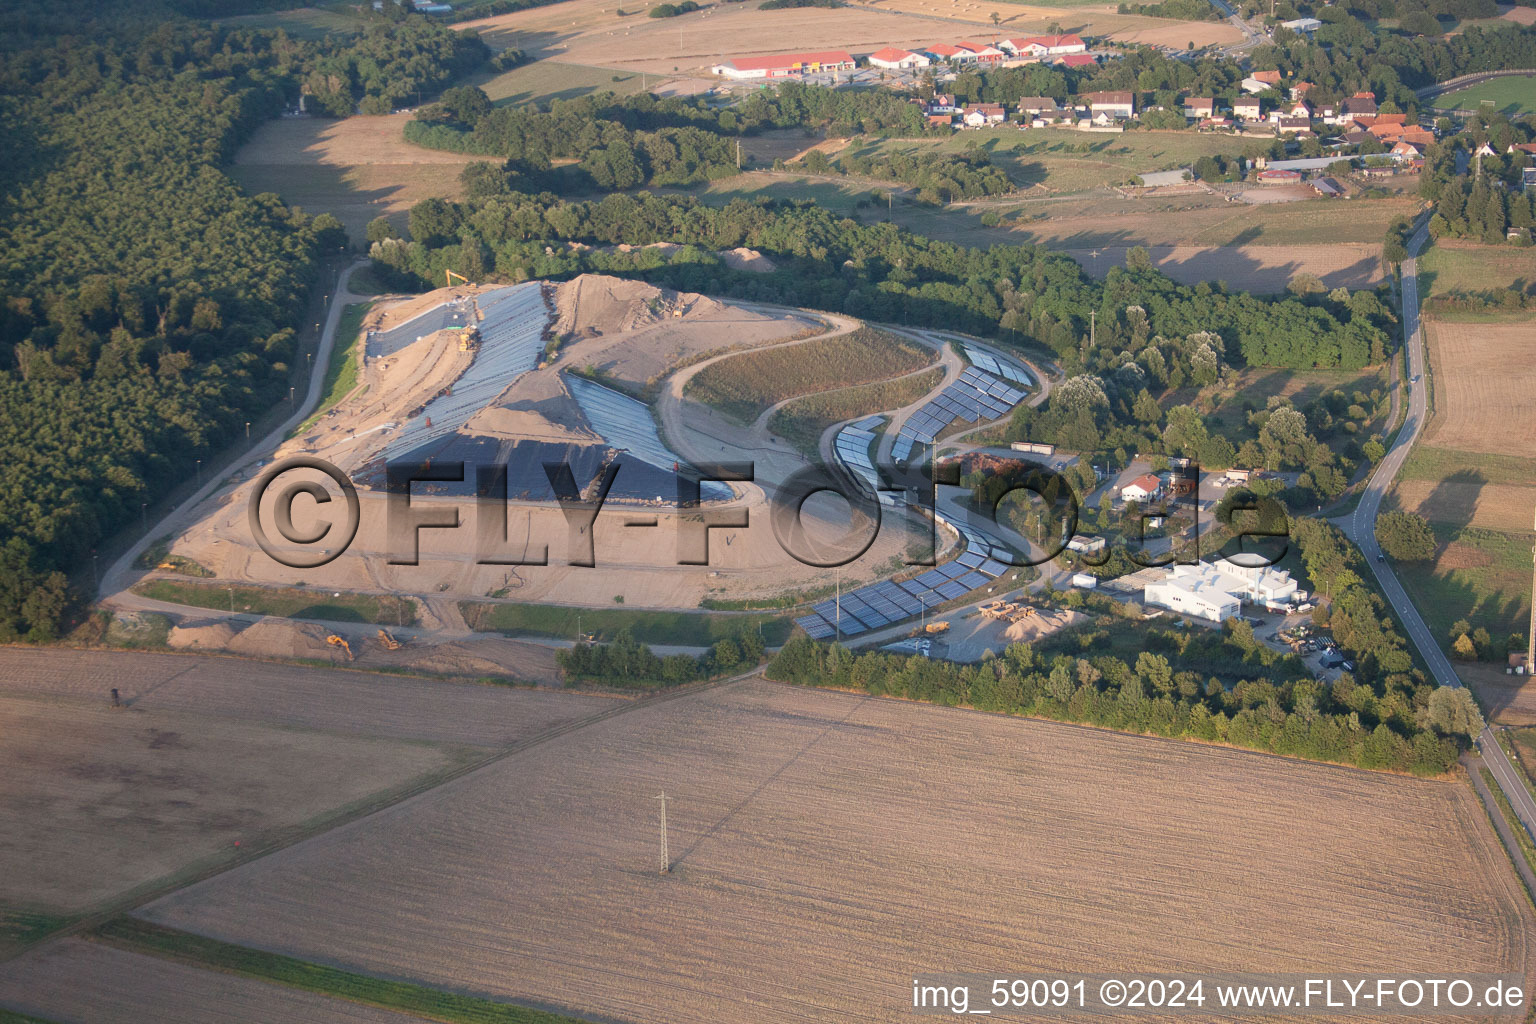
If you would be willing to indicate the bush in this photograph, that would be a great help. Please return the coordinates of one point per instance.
(1405, 536)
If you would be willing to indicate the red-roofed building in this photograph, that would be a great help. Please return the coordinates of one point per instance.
(785, 65)
(1077, 60)
(1044, 46)
(981, 52)
(1142, 488)
(1523, 147)
(1280, 177)
(897, 60)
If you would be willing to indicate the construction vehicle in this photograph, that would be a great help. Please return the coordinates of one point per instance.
(449, 275)
(389, 642)
(936, 627)
(166, 565)
(340, 641)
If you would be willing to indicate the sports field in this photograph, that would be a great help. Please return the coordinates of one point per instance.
(1511, 96)
(804, 824)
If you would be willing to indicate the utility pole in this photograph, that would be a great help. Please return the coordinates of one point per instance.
(837, 623)
(666, 858)
(738, 154)
(144, 515)
(1093, 325)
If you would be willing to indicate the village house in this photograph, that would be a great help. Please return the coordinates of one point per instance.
(943, 103)
(894, 59)
(1038, 106)
(786, 65)
(982, 114)
(1116, 104)
(1141, 489)
(1292, 125)
(1404, 152)
(1196, 108)
(1248, 108)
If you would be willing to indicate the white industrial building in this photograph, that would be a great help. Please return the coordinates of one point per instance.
(1216, 591)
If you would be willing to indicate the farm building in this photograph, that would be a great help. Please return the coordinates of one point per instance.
(1197, 107)
(1143, 487)
(784, 65)
(1177, 176)
(1115, 103)
(1326, 187)
(1279, 177)
(897, 60)
(1037, 105)
(1086, 545)
(1309, 163)
(1044, 46)
(1261, 81)
(1248, 108)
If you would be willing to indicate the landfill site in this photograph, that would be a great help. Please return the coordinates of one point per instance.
(527, 375)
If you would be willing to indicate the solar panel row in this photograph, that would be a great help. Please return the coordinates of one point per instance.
(976, 395)
(627, 424)
(998, 367)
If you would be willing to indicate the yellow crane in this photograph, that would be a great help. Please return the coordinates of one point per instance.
(449, 275)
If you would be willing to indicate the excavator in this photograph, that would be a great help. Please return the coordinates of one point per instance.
(389, 642)
(340, 641)
(470, 334)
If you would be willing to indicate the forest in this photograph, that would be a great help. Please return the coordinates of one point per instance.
(937, 177)
(147, 305)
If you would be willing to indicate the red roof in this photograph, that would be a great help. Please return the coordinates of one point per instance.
(1147, 482)
(891, 53)
(1272, 77)
(788, 60)
(944, 49)
(1280, 175)
(1078, 60)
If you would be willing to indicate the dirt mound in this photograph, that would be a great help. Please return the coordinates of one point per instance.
(595, 304)
(538, 406)
(283, 638)
(750, 260)
(495, 657)
(1044, 623)
(203, 634)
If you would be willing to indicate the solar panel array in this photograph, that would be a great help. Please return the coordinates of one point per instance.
(627, 425)
(852, 448)
(880, 604)
(998, 367)
(511, 339)
(975, 396)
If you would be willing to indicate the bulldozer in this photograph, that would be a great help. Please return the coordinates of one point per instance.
(389, 642)
(340, 641)
(936, 627)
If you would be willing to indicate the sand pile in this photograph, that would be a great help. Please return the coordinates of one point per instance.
(203, 634)
(273, 637)
(750, 260)
(1045, 622)
(538, 406)
(595, 304)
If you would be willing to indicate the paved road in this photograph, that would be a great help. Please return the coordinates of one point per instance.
(1361, 528)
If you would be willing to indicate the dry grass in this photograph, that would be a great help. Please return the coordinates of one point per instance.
(827, 845)
(1452, 266)
(358, 168)
(1485, 385)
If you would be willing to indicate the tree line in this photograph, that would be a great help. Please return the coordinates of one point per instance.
(147, 304)
(627, 662)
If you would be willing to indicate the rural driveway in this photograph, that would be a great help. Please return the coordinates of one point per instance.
(120, 575)
(1361, 528)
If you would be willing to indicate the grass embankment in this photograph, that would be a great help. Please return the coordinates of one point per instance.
(679, 629)
(803, 421)
(430, 1003)
(288, 602)
(346, 361)
(1522, 837)
(742, 386)
(1520, 745)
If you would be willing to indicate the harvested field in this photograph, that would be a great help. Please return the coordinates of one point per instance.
(357, 168)
(546, 80)
(102, 800)
(336, 701)
(742, 386)
(806, 824)
(1251, 268)
(1509, 700)
(1485, 385)
(91, 983)
(1469, 502)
